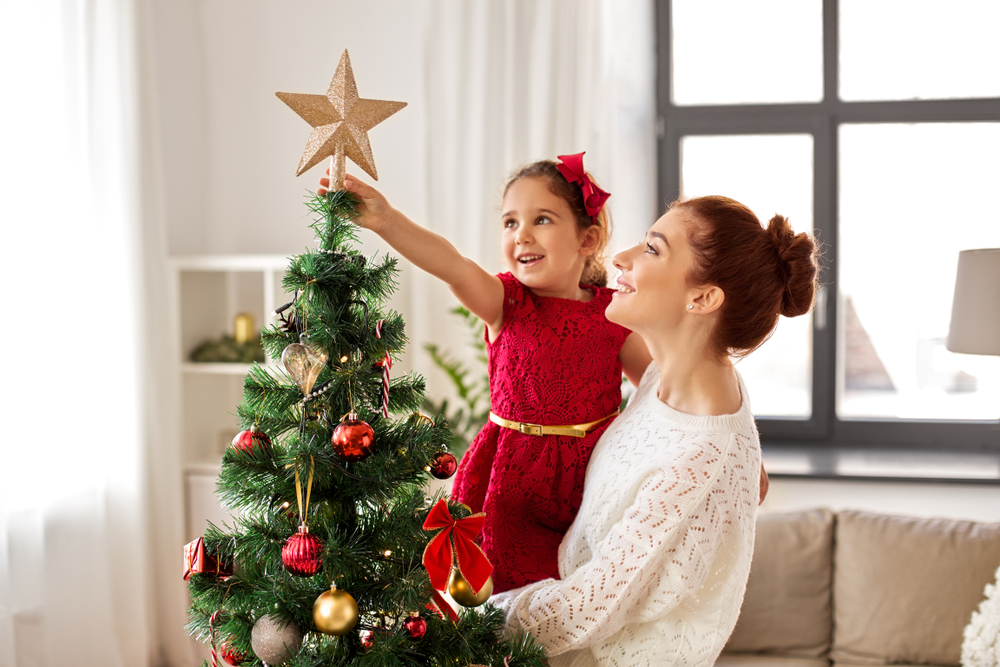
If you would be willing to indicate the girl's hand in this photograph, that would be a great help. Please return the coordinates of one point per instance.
(374, 211)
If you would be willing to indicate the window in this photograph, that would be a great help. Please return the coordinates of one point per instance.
(876, 124)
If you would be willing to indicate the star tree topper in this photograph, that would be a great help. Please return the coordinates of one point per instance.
(340, 121)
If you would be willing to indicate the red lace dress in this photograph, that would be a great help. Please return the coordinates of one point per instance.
(554, 362)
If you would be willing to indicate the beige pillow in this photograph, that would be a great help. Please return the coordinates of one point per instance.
(786, 609)
(905, 588)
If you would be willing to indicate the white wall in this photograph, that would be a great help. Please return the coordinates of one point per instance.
(230, 148)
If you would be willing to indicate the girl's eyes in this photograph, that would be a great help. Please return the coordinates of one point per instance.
(651, 250)
(510, 223)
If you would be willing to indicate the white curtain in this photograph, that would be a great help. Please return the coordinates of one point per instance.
(513, 81)
(80, 565)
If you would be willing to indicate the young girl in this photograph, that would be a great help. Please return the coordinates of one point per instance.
(555, 361)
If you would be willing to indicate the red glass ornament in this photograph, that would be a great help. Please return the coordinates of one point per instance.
(352, 439)
(415, 626)
(301, 554)
(443, 465)
(233, 656)
(251, 439)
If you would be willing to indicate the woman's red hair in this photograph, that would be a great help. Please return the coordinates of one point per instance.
(762, 272)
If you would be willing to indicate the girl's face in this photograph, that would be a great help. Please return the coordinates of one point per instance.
(653, 290)
(541, 242)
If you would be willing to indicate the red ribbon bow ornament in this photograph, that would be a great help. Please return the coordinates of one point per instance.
(454, 544)
(573, 171)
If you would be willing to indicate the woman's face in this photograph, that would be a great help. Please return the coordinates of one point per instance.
(653, 290)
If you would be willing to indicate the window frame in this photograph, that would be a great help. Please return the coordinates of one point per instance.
(824, 433)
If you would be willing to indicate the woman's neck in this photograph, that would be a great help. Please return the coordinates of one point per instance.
(694, 381)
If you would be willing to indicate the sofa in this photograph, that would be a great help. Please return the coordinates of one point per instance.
(855, 588)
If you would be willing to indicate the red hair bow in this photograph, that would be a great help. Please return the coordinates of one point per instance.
(573, 171)
(454, 544)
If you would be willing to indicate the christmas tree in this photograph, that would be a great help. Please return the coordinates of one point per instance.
(333, 554)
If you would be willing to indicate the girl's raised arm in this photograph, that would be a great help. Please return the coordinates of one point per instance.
(635, 358)
(479, 291)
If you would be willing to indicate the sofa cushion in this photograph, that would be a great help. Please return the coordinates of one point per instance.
(905, 588)
(895, 664)
(757, 660)
(786, 609)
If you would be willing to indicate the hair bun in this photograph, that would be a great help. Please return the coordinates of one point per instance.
(797, 258)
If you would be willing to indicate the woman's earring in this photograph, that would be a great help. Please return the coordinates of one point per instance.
(690, 306)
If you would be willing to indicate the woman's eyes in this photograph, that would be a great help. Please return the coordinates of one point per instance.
(651, 250)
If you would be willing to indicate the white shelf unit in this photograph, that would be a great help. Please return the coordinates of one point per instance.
(208, 292)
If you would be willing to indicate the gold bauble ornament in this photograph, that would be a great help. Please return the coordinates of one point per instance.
(419, 419)
(335, 612)
(462, 593)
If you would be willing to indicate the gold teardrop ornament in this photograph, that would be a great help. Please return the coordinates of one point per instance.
(304, 361)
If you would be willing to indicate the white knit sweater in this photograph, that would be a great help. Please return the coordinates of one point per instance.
(655, 565)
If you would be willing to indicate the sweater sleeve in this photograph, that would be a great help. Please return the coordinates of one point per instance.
(656, 556)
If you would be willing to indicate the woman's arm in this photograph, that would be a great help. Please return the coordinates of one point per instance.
(477, 290)
(654, 558)
(635, 358)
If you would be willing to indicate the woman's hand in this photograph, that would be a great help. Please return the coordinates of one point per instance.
(374, 212)
(764, 484)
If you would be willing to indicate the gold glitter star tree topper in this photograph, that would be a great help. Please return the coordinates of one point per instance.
(340, 121)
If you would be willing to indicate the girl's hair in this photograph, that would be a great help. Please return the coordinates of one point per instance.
(595, 271)
(762, 272)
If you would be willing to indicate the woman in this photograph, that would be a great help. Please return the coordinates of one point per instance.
(654, 567)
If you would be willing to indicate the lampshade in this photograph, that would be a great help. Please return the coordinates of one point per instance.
(975, 312)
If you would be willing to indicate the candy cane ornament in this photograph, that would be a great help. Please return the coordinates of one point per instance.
(386, 365)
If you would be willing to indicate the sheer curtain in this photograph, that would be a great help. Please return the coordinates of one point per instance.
(512, 81)
(77, 571)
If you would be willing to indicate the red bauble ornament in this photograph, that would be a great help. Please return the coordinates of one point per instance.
(415, 626)
(302, 553)
(443, 465)
(233, 656)
(251, 440)
(352, 439)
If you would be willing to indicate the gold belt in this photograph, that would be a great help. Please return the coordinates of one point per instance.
(574, 430)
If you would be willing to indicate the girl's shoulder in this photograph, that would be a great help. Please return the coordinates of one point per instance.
(512, 287)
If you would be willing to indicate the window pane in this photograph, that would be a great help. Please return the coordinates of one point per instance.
(918, 49)
(739, 52)
(911, 197)
(768, 173)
